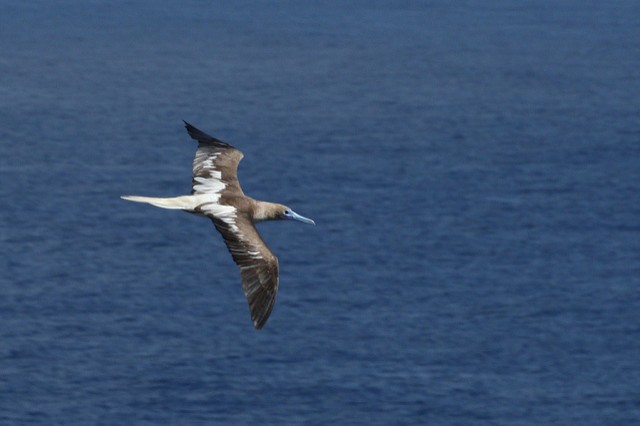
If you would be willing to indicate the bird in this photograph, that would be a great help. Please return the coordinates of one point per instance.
(216, 194)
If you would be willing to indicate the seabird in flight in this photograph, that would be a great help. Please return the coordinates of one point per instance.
(216, 194)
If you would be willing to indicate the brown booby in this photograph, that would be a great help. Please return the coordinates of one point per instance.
(216, 194)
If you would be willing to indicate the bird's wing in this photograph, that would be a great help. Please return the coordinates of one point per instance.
(215, 166)
(258, 265)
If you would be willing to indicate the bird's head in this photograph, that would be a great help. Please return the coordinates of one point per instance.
(285, 213)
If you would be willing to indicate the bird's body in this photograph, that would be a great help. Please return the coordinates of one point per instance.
(216, 194)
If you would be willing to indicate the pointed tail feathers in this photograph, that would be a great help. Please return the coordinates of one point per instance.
(176, 203)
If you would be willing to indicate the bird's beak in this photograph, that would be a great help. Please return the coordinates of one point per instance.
(300, 218)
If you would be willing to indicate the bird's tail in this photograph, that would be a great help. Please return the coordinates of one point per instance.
(176, 203)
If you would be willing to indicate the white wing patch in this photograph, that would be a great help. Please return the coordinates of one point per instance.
(212, 185)
(204, 164)
(228, 215)
(208, 183)
(210, 207)
(208, 163)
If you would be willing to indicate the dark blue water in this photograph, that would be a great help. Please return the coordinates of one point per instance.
(473, 168)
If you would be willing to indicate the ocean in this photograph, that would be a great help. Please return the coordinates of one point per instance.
(473, 169)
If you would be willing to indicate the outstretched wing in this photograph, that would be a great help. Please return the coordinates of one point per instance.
(215, 166)
(258, 266)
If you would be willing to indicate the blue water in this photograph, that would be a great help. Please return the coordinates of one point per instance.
(473, 168)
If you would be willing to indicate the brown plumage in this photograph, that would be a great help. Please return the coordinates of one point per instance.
(216, 194)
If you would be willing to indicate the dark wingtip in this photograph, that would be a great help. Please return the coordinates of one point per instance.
(194, 132)
(261, 315)
(258, 323)
(201, 136)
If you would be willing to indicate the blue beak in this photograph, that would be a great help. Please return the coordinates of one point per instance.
(296, 216)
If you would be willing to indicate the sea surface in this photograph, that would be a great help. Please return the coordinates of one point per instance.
(473, 168)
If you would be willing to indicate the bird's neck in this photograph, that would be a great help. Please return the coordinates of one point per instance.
(264, 210)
